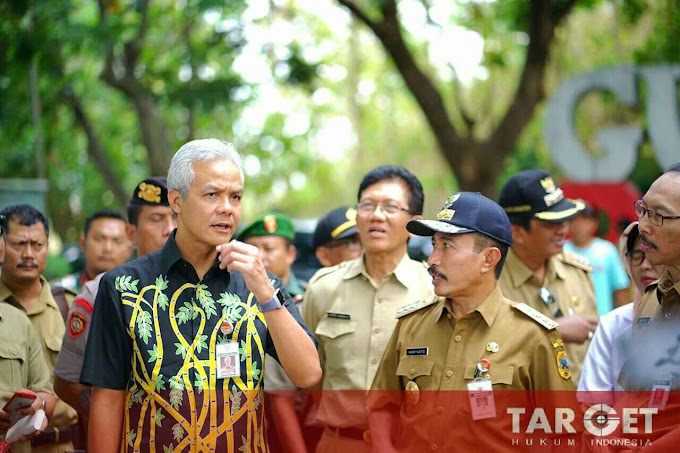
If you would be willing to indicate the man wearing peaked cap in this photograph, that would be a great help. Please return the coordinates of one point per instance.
(538, 271)
(150, 218)
(500, 344)
(335, 238)
(150, 222)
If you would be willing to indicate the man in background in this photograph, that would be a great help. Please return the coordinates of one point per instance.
(609, 277)
(151, 221)
(538, 271)
(105, 245)
(352, 306)
(335, 238)
(273, 235)
(23, 286)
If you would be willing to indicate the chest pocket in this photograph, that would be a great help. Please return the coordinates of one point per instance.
(501, 376)
(419, 370)
(332, 328)
(13, 365)
(338, 340)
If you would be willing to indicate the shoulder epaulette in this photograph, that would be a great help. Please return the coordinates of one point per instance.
(577, 261)
(324, 271)
(536, 316)
(414, 306)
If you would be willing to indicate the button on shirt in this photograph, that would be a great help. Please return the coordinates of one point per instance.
(353, 318)
(570, 285)
(155, 333)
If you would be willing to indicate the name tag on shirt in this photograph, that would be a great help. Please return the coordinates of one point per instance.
(338, 315)
(417, 351)
(228, 360)
(645, 321)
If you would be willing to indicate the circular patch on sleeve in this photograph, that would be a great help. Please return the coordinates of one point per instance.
(76, 324)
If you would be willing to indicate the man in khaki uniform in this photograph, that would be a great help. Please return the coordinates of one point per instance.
(22, 285)
(652, 366)
(23, 367)
(538, 272)
(352, 306)
(470, 335)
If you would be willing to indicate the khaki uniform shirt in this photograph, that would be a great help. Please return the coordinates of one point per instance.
(49, 324)
(439, 354)
(567, 276)
(353, 318)
(22, 363)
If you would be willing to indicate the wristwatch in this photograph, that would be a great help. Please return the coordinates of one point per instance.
(274, 303)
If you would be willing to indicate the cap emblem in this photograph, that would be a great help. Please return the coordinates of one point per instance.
(149, 193)
(452, 199)
(548, 184)
(270, 223)
(351, 214)
(445, 214)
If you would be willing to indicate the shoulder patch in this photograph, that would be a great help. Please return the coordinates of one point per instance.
(414, 306)
(536, 316)
(577, 261)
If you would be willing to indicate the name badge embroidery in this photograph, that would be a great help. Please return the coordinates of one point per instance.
(644, 321)
(338, 315)
(417, 351)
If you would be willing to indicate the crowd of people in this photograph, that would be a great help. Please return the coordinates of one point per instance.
(189, 332)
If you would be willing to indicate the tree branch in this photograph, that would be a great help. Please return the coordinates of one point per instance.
(358, 13)
(95, 149)
(545, 18)
(423, 89)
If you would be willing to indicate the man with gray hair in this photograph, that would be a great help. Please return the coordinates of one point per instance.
(163, 323)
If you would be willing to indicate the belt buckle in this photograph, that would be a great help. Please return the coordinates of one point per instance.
(367, 436)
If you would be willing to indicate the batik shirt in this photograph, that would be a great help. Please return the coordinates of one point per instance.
(156, 333)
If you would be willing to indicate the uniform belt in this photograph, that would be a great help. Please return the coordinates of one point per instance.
(352, 433)
(54, 436)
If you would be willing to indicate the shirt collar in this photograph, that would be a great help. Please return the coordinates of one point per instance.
(45, 297)
(519, 272)
(401, 272)
(170, 253)
(488, 308)
(294, 287)
(666, 286)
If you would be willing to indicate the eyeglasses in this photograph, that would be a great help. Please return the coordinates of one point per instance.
(369, 207)
(549, 300)
(654, 217)
(636, 257)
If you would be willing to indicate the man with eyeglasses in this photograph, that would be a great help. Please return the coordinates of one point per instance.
(23, 286)
(335, 237)
(651, 369)
(538, 271)
(352, 306)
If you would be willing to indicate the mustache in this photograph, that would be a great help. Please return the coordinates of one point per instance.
(29, 265)
(644, 239)
(432, 270)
